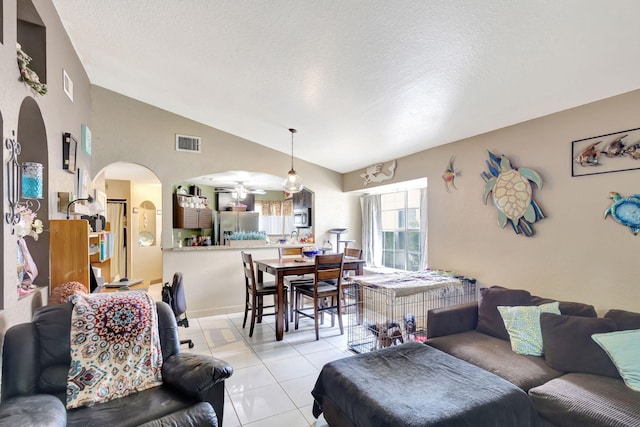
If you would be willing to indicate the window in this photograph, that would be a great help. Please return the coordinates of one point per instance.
(401, 229)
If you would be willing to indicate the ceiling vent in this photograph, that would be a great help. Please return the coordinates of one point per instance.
(188, 143)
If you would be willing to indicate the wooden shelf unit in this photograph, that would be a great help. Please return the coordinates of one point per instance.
(187, 217)
(70, 252)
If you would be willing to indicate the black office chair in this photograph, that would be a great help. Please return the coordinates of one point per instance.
(174, 296)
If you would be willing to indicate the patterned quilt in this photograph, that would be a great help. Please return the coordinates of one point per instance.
(115, 347)
(412, 282)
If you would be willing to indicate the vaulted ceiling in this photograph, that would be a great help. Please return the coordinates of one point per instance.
(362, 81)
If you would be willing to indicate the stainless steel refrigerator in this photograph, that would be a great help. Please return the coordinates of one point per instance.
(230, 222)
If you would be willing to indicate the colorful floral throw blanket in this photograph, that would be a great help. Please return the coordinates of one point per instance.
(115, 347)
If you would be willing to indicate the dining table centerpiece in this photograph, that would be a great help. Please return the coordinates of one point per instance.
(28, 226)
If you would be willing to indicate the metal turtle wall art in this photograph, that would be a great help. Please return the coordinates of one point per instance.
(625, 210)
(512, 194)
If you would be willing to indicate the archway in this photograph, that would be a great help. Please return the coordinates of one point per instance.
(130, 189)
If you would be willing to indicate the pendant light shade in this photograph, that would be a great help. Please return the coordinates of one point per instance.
(293, 182)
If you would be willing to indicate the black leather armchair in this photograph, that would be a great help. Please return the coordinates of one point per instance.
(36, 359)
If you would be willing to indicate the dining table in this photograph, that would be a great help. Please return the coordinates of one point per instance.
(281, 267)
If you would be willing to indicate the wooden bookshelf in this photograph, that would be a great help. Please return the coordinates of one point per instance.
(73, 249)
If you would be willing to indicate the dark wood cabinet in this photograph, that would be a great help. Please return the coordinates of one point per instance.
(191, 217)
(303, 199)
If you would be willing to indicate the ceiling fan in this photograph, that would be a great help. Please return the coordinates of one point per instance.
(239, 191)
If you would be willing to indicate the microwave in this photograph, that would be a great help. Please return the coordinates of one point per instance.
(302, 217)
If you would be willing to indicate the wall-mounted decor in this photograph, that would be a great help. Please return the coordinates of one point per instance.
(13, 180)
(625, 210)
(449, 175)
(613, 152)
(374, 173)
(86, 139)
(27, 75)
(82, 187)
(512, 194)
(67, 85)
(69, 151)
(31, 180)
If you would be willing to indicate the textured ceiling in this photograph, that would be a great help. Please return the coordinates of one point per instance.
(362, 81)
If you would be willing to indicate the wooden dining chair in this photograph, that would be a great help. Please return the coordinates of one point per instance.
(289, 252)
(255, 293)
(324, 292)
(293, 281)
(353, 253)
(350, 296)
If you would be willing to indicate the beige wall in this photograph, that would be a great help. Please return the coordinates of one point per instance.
(59, 115)
(575, 254)
(132, 131)
(146, 262)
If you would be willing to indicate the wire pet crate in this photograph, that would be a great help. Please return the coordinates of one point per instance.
(392, 309)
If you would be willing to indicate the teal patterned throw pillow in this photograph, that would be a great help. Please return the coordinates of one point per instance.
(523, 326)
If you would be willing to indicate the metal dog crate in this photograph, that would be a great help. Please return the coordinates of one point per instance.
(392, 315)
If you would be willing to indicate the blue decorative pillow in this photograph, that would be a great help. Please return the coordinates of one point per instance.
(523, 325)
(623, 348)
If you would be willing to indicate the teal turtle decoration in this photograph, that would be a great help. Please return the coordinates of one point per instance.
(625, 210)
(512, 194)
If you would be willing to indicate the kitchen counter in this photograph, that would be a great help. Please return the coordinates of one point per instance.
(226, 248)
(213, 276)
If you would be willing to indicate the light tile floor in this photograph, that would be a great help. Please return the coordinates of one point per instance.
(272, 380)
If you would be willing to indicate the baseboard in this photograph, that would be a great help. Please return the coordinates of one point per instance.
(216, 311)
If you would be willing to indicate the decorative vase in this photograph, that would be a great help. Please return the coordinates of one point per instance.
(20, 262)
(29, 269)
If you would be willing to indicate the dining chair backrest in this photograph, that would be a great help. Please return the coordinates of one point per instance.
(289, 252)
(249, 273)
(353, 253)
(329, 267)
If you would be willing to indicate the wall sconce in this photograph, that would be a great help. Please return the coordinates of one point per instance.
(31, 180)
(13, 183)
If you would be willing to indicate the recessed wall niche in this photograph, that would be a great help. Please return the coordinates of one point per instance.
(32, 136)
(32, 36)
(147, 225)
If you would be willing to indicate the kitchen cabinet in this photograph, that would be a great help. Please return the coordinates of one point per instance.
(303, 199)
(191, 212)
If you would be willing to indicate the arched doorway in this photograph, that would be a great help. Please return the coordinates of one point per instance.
(133, 196)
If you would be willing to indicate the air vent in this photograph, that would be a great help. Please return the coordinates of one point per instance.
(188, 143)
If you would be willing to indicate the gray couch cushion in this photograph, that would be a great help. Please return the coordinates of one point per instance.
(495, 355)
(568, 345)
(625, 320)
(568, 307)
(489, 320)
(587, 400)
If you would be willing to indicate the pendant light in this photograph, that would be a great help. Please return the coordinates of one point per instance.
(293, 183)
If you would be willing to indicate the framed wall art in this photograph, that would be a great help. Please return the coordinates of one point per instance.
(86, 139)
(69, 152)
(613, 152)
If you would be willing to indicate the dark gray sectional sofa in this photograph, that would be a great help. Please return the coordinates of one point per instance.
(574, 383)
